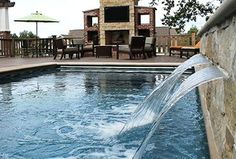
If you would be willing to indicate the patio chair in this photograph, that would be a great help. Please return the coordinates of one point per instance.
(63, 49)
(78, 43)
(25, 48)
(135, 49)
(150, 46)
(89, 47)
(185, 50)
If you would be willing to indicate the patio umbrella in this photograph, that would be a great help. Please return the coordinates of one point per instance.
(37, 18)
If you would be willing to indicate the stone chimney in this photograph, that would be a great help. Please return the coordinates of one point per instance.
(116, 26)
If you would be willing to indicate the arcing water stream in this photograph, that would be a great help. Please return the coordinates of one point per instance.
(166, 94)
(147, 111)
(203, 76)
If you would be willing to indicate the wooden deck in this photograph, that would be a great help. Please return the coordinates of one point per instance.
(18, 63)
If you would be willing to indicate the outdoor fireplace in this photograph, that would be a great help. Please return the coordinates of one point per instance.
(118, 21)
(119, 36)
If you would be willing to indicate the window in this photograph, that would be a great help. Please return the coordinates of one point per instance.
(144, 19)
(94, 21)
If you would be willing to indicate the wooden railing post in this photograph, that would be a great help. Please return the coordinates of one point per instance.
(13, 47)
(193, 39)
(54, 38)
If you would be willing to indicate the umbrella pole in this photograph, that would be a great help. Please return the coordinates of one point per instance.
(36, 29)
(36, 47)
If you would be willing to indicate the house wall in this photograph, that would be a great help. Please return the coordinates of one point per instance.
(219, 98)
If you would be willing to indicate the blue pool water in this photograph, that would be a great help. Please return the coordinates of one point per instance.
(79, 114)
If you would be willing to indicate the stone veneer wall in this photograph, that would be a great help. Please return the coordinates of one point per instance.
(92, 13)
(116, 26)
(151, 26)
(219, 97)
(5, 34)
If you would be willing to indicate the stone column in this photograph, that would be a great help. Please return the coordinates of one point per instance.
(4, 18)
(6, 45)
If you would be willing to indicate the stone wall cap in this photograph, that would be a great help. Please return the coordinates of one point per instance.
(90, 10)
(7, 4)
(226, 10)
(137, 6)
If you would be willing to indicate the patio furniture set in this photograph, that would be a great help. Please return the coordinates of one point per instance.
(187, 51)
(139, 47)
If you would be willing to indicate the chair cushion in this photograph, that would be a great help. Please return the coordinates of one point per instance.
(124, 48)
(148, 47)
(149, 40)
(176, 47)
(71, 49)
(189, 48)
(59, 50)
(198, 45)
(137, 50)
(88, 48)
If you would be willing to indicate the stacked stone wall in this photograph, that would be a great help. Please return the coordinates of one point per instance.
(5, 35)
(151, 26)
(91, 13)
(133, 27)
(116, 26)
(219, 98)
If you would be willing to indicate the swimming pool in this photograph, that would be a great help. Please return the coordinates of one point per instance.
(71, 113)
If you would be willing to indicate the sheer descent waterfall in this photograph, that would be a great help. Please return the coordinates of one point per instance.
(200, 77)
(165, 95)
(147, 111)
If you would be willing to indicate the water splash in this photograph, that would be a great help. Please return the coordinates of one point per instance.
(147, 111)
(203, 76)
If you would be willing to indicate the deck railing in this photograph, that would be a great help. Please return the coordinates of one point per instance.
(31, 47)
(163, 43)
(26, 47)
(6, 48)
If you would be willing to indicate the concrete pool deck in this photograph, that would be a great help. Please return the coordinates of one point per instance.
(17, 63)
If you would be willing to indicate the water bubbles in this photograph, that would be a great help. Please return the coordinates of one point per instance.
(65, 129)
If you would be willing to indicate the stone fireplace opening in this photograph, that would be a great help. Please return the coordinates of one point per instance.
(117, 36)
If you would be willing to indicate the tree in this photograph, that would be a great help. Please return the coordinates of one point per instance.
(27, 34)
(14, 36)
(193, 29)
(179, 12)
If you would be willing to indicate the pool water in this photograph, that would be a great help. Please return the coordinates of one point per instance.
(79, 114)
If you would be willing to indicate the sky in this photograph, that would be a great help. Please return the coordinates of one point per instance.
(69, 13)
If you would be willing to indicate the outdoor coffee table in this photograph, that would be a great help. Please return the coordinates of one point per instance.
(104, 51)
